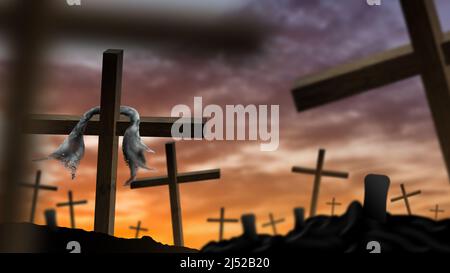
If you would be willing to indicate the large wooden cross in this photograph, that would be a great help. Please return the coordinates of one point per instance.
(273, 223)
(427, 56)
(172, 179)
(405, 197)
(108, 127)
(222, 220)
(36, 187)
(318, 173)
(33, 25)
(71, 205)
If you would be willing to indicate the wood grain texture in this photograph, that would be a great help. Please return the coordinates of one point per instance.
(105, 192)
(359, 76)
(426, 37)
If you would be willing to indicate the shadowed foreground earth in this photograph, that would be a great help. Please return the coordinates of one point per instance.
(55, 240)
(349, 233)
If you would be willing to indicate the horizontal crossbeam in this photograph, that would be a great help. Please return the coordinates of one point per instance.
(42, 187)
(140, 229)
(360, 76)
(223, 220)
(274, 222)
(63, 125)
(407, 195)
(181, 178)
(73, 203)
(336, 174)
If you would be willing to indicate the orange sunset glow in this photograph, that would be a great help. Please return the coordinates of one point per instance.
(387, 131)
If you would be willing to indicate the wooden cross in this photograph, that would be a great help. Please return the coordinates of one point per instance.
(36, 187)
(138, 228)
(172, 179)
(333, 203)
(108, 127)
(318, 173)
(32, 24)
(436, 211)
(272, 222)
(222, 220)
(405, 197)
(71, 204)
(428, 56)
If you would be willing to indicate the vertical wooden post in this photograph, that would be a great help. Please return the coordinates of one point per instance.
(28, 26)
(221, 223)
(35, 196)
(72, 212)
(405, 196)
(426, 38)
(316, 187)
(175, 205)
(105, 195)
(272, 222)
(137, 229)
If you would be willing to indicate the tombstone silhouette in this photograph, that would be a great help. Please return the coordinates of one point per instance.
(299, 218)
(50, 218)
(375, 196)
(249, 226)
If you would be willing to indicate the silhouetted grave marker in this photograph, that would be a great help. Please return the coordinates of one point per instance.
(333, 203)
(108, 127)
(273, 223)
(436, 211)
(405, 197)
(50, 218)
(138, 229)
(376, 189)
(36, 187)
(249, 226)
(299, 218)
(318, 173)
(172, 180)
(71, 205)
(222, 220)
(427, 56)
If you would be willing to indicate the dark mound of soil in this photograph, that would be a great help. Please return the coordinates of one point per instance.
(36, 238)
(349, 233)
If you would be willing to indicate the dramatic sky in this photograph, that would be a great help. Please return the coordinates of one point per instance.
(387, 131)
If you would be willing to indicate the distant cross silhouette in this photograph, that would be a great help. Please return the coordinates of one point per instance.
(36, 187)
(333, 203)
(222, 220)
(72, 203)
(405, 197)
(436, 211)
(272, 222)
(172, 179)
(318, 173)
(138, 228)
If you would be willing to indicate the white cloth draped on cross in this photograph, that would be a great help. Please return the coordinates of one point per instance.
(71, 151)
